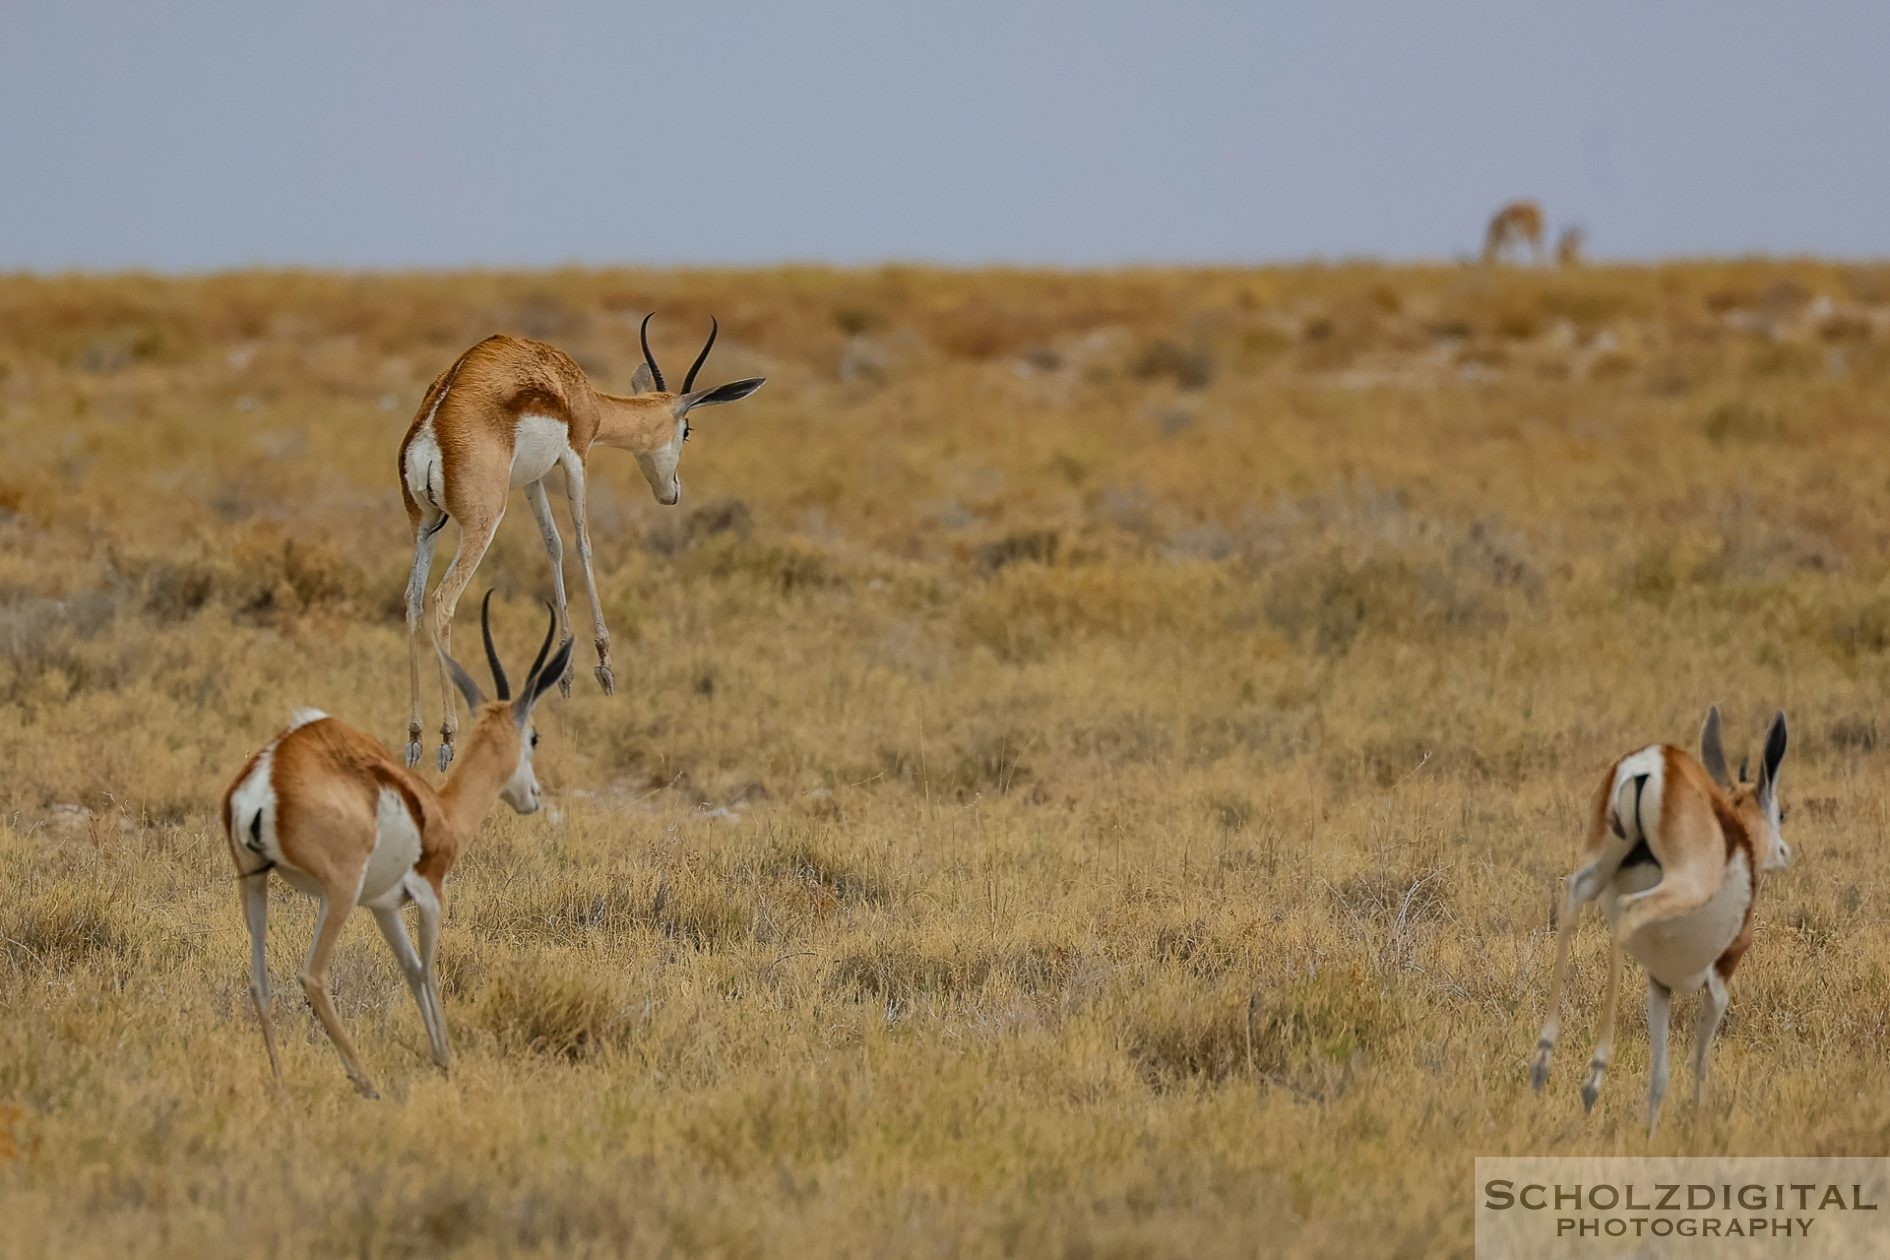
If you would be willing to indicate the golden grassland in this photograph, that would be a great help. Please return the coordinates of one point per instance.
(1091, 757)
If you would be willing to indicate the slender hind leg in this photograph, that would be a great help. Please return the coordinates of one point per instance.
(1604, 1047)
(336, 902)
(574, 490)
(554, 548)
(475, 536)
(1659, 1011)
(256, 911)
(1583, 887)
(426, 535)
(1713, 1003)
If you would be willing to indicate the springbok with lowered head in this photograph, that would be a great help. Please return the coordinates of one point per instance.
(324, 806)
(1674, 853)
(1518, 223)
(505, 414)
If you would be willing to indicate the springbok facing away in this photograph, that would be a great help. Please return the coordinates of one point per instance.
(1519, 222)
(505, 414)
(1674, 853)
(325, 807)
(1569, 246)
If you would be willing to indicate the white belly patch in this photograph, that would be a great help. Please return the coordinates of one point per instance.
(1679, 952)
(536, 447)
(396, 849)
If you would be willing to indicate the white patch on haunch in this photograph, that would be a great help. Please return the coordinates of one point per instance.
(253, 810)
(422, 470)
(1633, 814)
(396, 849)
(537, 444)
(302, 717)
(1680, 951)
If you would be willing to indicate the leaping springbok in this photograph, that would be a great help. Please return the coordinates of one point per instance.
(1675, 850)
(505, 414)
(1518, 223)
(324, 806)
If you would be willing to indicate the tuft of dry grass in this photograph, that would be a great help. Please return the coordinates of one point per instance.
(1092, 756)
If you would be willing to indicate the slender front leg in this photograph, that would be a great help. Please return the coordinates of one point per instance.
(256, 911)
(1604, 1047)
(426, 534)
(574, 489)
(475, 536)
(1713, 1006)
(335, 904)
(395, 933)
(1659, 1009)
(554, 548)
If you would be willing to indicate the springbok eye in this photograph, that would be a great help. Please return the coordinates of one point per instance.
(685, 431)
(534, 739)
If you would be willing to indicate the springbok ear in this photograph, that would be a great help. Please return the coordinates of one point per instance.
(731, 392)
(463, 680)
(641, 382)
(1774, 756)
(1713, 751)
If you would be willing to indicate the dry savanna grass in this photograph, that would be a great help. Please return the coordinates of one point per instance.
(1091, 757)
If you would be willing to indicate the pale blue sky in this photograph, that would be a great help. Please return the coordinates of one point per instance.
(192, 135)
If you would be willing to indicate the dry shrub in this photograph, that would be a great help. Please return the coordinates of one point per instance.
(561, 1006)
(672, 535)
(1739, 421)
(903, 974)
(1186, 367)
(1026, 610)
(61, 928)
(702, 917)
(1181, 1037)
(266, 576)
(810, 862)
(1329, 601)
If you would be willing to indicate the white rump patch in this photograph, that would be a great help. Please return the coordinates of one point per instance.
(422, 472)
(253, 809)
(302, 717)
(537, 444)
(1649, 761)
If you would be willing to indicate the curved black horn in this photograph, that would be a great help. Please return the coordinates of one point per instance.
(689, 381)
(643, 334)
(492, 654)
(544, 649)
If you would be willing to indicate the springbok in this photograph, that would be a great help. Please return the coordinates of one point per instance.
(324, 806)
(1570, 246)
(505, 414)
(1674, 852)
(1519, 222)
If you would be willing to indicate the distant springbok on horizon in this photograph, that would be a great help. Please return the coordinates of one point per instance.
(505, 414)
(1518, 223)
(324, 806)
(1570, 246)
(1675, 849)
